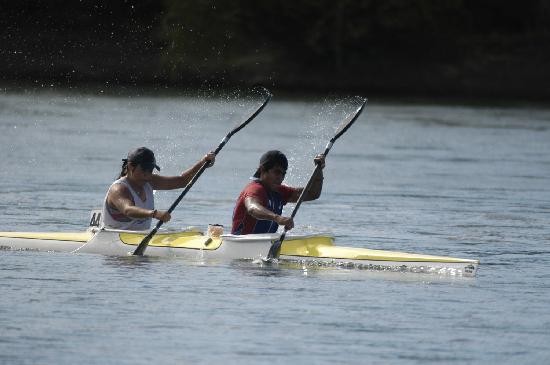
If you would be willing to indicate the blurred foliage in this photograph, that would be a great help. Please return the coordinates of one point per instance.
(310, 38)
(424, 45)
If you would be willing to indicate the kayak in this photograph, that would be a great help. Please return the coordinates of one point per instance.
(314, 249)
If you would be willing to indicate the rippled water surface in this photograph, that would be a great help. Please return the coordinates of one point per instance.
(464, 181)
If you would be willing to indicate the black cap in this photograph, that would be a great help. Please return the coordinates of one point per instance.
(144, 157)
(270, 159)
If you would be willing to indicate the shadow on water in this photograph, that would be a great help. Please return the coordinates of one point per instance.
(260, 267)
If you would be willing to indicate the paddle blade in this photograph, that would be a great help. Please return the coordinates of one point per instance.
(348, 122)
(275, 250)
(145, 241)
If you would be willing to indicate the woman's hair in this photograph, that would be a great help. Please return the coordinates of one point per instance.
(124, 168)
(142, 156)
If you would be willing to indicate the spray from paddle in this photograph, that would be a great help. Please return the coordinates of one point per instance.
(275, 249)
(143, 245)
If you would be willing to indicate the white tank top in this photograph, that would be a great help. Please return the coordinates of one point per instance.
(112, 218)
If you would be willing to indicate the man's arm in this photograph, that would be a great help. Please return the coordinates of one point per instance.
(317, 185)
(258, 211)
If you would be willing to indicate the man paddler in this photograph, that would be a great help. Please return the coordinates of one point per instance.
(260, 204)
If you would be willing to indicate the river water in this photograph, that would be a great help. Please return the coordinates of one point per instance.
(446, 179)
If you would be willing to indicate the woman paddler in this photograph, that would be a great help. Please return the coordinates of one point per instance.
(129, 203)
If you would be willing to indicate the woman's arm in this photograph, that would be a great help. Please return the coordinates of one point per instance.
(119, 197)
(160, 182)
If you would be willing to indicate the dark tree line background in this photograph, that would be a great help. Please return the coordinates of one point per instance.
(463, 48)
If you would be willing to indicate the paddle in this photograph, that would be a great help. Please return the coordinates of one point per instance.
(275, 248)
(143, 244)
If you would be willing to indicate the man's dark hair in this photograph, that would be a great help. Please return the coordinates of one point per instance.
(271, 159)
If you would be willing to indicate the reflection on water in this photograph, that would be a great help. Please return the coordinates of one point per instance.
(131, 261)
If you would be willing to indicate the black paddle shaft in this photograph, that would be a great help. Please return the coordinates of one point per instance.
(143, 244)
(275, 249)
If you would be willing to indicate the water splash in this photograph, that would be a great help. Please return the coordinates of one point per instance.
(433, 270)
(326, 118)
